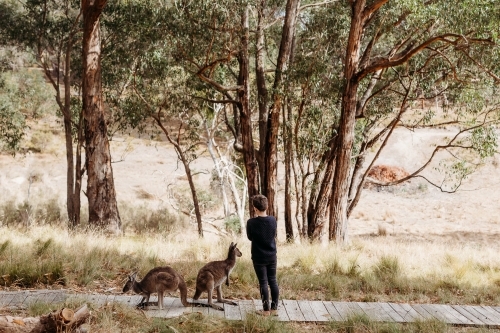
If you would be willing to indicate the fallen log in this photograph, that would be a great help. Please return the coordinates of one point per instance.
(59, 321)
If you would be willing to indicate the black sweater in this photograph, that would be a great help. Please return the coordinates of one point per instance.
(261, 230)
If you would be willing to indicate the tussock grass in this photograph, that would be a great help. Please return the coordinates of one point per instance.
(360, 323)
(370, 269)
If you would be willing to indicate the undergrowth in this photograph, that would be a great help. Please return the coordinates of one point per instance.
(365, 271)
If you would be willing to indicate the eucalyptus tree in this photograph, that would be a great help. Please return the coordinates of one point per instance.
(384, 35)
(51, 29)
(211, 40)
(147, 89)
(103, 209)
(316, 90)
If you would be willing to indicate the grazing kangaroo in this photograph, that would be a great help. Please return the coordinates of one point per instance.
(213, 275)
(158, 280)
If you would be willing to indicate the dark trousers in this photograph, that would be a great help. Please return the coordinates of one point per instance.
(266, 273)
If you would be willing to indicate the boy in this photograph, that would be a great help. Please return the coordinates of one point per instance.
(261, 231)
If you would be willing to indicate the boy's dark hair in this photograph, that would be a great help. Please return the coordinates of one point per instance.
(259, 201)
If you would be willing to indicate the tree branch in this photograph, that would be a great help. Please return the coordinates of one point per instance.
(402, 57)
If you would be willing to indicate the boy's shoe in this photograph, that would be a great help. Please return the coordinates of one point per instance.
(273, 312)
(263, 313)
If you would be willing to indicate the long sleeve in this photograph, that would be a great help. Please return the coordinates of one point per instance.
(249, 231)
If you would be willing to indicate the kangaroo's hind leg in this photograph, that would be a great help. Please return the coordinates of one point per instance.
(210, 301)
(222, 300)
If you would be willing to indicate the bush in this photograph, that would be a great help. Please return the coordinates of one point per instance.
(232, 224)
(143, 220)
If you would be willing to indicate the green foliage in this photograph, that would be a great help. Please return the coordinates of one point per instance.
(232, 224)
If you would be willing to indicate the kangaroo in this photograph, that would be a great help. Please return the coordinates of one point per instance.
(213, 275)
(158, 280)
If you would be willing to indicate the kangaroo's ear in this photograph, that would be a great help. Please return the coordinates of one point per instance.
(232, 245)
(235, 245)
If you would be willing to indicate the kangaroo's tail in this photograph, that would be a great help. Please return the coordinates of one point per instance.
(183, 290)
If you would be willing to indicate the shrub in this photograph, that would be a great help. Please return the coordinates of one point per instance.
(232, 224)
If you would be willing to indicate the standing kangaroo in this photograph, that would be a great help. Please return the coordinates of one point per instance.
(158, 280)
(213, 275)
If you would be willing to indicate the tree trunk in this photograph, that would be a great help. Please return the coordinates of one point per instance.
(192, 187)
(340, 188)
(245, 116)
(287, 142)
(320, 192)
(271, 153)
(103, 209)
(74, 176)
(262, 93)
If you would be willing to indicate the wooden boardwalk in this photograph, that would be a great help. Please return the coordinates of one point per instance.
(289, 310)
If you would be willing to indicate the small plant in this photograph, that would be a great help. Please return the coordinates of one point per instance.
(388, 268)
(232, 224)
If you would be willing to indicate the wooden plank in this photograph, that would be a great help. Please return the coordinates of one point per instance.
(123, 299)
(320, 311)
(282, 314)
(218, 313)
(343, 309)
(306, 310)
(396, 317)
(356, 309)
(440, 313)
(474, 311)
(154, 311)
(258, 305)
(110, 299)
(463, 320)
(31, 299)
(232, 312)
(375, 311)
(175, 309)
(495, 316)
(199, 309)
(293, 310)
(423, 312)
(18, 298)
(135, 299)
(246, 306)
(496, 308)
(332, 311)
(6, 298)
(467, 314)
(60, 297)
(491, 314)
(410, 312)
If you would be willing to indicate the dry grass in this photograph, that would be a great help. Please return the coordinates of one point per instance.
(369, 269)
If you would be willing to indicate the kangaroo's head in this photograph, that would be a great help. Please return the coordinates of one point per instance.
(234, 251)
(130, 282)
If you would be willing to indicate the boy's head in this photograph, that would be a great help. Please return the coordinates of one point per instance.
(259, 201)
